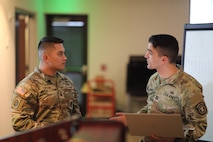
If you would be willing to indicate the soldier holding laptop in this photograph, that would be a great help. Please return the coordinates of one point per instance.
(172, 91)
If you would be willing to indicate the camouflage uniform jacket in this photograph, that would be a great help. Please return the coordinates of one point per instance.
(39, 100)
(180, 94)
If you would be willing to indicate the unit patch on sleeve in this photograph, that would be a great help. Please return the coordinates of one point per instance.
(201, 108)
(17, 103)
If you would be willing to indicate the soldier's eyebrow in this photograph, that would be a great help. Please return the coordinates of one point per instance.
(149, 50)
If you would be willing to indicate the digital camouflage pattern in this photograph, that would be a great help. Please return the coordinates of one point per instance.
(181, 94)
(39, 100)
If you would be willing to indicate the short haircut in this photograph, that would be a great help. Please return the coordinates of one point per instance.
(49, 39)
(47, 42)
(166, 45)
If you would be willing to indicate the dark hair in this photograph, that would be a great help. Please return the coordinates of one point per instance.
(166, 45)
(50, 40)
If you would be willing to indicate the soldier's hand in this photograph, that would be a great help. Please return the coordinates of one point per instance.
(119, 117)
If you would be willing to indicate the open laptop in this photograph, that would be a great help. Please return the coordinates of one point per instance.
(165, 125)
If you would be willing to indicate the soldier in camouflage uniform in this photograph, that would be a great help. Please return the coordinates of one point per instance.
(45, 96)
(172, 91)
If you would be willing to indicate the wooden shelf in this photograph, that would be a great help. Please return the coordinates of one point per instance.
(100, 98)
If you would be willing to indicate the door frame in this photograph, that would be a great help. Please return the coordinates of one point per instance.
(24, 27)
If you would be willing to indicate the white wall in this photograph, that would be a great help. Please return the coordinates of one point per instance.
(7, 53)
(201, 11)
(117, 29)
(7, 66)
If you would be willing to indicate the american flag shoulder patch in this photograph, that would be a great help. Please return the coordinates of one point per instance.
(21, 91)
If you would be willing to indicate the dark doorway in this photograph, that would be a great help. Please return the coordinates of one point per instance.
(73, 30)
(22, 31)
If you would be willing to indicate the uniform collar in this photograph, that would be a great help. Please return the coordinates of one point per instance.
(46, 77)
(171, 79)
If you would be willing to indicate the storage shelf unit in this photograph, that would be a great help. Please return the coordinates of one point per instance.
(100, 98)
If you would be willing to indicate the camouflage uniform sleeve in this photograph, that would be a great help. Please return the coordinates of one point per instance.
(195, 113)
(76, 108)
(23, 106)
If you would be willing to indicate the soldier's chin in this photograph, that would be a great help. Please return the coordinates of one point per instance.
(61, 69)
(149, 67)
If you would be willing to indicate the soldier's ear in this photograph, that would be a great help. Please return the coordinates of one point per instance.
(44, 57)
(165, 59)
